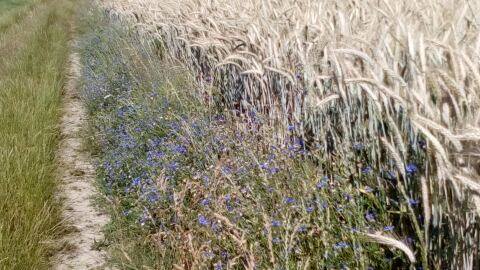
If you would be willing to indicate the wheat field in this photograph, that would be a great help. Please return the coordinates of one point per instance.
(384, 73)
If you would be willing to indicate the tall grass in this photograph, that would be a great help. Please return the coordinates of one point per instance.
(33, 50)
(395, 77)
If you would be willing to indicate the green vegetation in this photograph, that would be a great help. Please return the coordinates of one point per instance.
(9, 5)
(34, 46)
(12, 11)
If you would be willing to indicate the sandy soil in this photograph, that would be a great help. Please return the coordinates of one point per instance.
(77, 188)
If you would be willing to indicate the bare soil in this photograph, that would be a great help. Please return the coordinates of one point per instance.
(77, 188)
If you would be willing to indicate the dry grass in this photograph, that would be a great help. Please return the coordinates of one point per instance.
(348, 72)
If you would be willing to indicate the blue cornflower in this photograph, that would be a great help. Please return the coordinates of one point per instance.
(291, 127)
(409, 240)
(289, 200)
(340, 245)
(302, 229)
(209, 79)
(322, 183)
(413, 202)
(276, 240)
(152, 197)
(173, 166)
(143, 219)
(358, 146)
(264, 166)
(273, 170)
(203, 220)
(205, 202)
(370, 216)
(224, 254)
(227, 170)
(180, 149)
(388, 228)
(276, 223)
(367, 170)
(310, 209)
(218, 266)
(422, 144)
(411, 168)
(136, 181)
(208, 254)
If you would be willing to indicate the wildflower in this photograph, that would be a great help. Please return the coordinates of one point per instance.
(206, 180)
(227, 170)
(413, 202)
(411, 168)
(291, 127)
(409, 240)
(224, 254)
(180, 149)
(152, 197)
(209, 79)
(310, 209)
(218, 266)
(368, 189)
(422, 144)
(367, 170)
(215, 227)
(208, 254)
(173, 166)
(219, 118)
(264, 166)
(276, 240)
(289, 200)
(203, 220)
(358, 146)
(323, 183)
(388, 228)
(205, 202)
(136, 181)
(370, 216)
(324, 205)
(276, 223)
(340, 245)
(143, 219)
(302, 229)
(273, 170)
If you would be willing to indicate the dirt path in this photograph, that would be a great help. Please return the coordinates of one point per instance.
(77, 187)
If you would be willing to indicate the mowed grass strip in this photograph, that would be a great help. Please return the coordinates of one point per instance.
(31, 79)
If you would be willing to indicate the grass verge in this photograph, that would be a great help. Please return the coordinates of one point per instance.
(34, 51)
